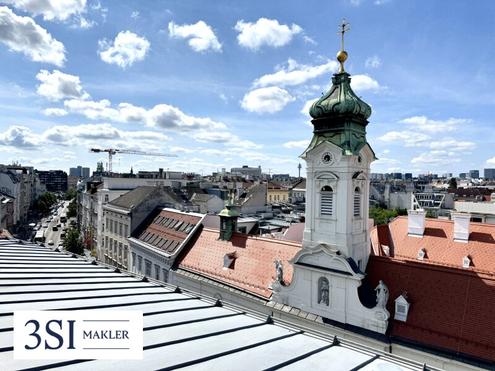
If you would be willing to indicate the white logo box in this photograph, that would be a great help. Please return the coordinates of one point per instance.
(87, 334)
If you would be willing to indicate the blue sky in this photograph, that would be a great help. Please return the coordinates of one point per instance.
(223, 83)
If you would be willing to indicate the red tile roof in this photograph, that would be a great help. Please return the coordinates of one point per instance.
(254, 269)
(452, 308)
(438, 241)
(167, 229)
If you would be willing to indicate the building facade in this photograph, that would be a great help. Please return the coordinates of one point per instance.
(54, 180)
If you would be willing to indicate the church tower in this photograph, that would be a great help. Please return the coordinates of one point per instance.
(329, 268)
(338, 164)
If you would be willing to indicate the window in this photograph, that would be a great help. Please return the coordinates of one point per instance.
(165, 274)
(229, 260)
(133, 257)
(126, 227)
(120, 251)
(140, 264)
(326, 207)
(106, 198)
(120, 229)
(147, 268)
(157, 272)
(357, 202)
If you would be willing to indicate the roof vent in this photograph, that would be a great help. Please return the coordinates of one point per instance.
(401, 307)
(229, 260)
(461, 226)
(421, 254)
(466, 261)
(416, 222)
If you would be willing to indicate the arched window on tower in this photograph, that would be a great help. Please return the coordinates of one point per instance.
(326, 208)
(357, 202)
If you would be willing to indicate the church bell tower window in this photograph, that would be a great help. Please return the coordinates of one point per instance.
(326, 201)
(357, 202)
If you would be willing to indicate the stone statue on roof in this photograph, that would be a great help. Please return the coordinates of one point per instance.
(381, 295)
(279, 271)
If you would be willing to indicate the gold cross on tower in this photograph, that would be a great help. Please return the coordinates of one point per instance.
(342, 54)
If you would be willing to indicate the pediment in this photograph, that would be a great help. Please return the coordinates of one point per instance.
(322, 147)
(326, 259)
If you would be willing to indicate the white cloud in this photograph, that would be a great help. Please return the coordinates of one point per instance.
(51, 10)
(24, 35)
(200, 36)
(453, 145)
(423, 123)
(373, 62)
(307, 106)
(95, 110)
(301, 144)
(224, 137)
(265, 31)
(491, 161)
(364, 82)
(436, 157)
(170, 117)
(19, 137)
(408, 138)
(135, 14)
(162, 115)
(126, 49)
(57, 85)
(266, 100)
(55, 112)
(295, 74)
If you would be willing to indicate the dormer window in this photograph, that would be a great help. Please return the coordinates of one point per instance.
(357, 202)
(466, 262)
(229, 260)
(326, 201)
(401, 308)
(421, 254)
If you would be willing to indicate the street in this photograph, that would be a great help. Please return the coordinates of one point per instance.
(50, 234)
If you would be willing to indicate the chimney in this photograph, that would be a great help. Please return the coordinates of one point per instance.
(461, 226)
(416, 222)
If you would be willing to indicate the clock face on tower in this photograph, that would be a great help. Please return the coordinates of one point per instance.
(326, 157)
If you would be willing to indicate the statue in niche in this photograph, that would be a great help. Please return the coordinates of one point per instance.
(323, 291)
(279, 271)
(381, 295)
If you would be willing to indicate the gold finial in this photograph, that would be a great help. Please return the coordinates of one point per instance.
(342, 54)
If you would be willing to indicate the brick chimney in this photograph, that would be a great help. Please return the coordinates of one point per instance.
(461, 226)
(416, 222)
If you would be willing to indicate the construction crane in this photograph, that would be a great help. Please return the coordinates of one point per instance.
(114, 151)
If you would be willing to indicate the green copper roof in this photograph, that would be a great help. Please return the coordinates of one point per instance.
(340, 101)
(230, 211)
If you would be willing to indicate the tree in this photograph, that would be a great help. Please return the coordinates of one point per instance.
(73, 243)
(381, 215)
(45, 202)
(452, 183)
(72, 209)
(70, 194)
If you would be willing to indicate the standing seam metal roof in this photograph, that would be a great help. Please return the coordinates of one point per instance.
(181, 329)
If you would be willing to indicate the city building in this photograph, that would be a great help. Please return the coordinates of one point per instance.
(463, 175)
(54, 180)
(247, 172)
(480, 211)
(79, 171)
(489, 174)
(408, 176)
(474, 174)
(276, 193)
(22, 186)
(207, 203)
(123, 215)
(298, 191)
(155, 245)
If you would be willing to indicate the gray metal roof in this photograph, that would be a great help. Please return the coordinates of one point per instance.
(181, 329)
